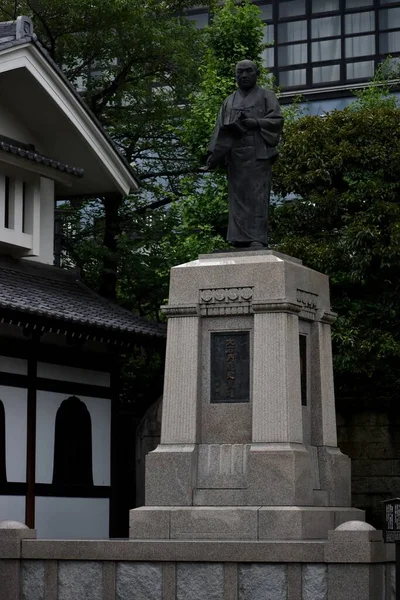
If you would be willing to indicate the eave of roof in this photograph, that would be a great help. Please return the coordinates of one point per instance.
(57, 296)
(29, 37)
(41, 159)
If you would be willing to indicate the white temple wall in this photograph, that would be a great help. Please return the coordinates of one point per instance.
(11, 126)
(12, 508)
(62, 373)
(72, 518)
(16, 366)
(15, 409)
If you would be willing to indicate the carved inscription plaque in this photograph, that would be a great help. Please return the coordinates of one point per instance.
(391, 527)
(230, 367)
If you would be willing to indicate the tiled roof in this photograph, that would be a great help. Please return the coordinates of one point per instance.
(57, 295)
(40, 158)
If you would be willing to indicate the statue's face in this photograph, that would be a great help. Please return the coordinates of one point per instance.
(246, 74)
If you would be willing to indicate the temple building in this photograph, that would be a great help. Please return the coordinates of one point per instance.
(59, 341)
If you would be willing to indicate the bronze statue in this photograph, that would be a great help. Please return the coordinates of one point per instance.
(244, 140)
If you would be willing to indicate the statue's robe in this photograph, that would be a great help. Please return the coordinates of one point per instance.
(248, 156)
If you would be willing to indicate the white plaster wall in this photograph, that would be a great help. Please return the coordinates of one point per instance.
(100, 413)
(12, 508)
(62, 373)
(46, 253)
(15, 408)
(17, 366)
(72, 518)
(13, 127)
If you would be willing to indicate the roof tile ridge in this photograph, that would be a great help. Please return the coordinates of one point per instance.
(43, 270)
(110, 303)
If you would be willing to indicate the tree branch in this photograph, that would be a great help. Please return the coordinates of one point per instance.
(52, 39)
(150, 175)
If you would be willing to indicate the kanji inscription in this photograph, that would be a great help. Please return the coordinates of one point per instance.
(230, 367)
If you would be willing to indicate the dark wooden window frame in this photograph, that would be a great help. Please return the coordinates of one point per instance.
(377, 57)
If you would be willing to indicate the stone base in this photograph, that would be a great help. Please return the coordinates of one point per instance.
(274, 474)
(171, 475)
(335, 475)
(279, 475)
(239, 523)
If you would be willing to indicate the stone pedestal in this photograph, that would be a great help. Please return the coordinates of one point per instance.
(248, 443)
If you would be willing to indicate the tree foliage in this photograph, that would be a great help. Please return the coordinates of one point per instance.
(344, 169)
(149, 243)
(236, 33)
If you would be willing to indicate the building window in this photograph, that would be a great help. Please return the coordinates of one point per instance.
(311, 35)
(292, 55)
(291, 8)
(326, 50)
(200, 20)
(266, 11)
(390, 18)
(3, 471)
(325, 27)
(360, 22)
(358, 3)
(73, 444)
(293, 78)
(326, 74)
(362, 45)
(292, 31)
(360, 70)
(389, 42)
(325, 5)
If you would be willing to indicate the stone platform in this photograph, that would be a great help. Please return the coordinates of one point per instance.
(239, 523)
(352, 563)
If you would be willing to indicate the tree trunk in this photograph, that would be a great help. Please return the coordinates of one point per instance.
(108, 281)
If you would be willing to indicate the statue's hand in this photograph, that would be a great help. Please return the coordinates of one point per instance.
(250, 123)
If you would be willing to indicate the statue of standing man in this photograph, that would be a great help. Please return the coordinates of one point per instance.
(244, 140)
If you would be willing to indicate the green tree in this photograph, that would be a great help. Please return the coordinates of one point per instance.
(344, 169)
(149, 243)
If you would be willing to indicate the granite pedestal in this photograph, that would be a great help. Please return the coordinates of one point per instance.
(248, 443)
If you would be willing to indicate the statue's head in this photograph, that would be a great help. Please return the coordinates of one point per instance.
(246, 74)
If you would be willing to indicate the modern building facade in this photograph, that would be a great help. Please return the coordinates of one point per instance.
(324, 49)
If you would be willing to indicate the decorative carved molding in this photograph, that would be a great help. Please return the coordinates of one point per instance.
(225, 309)
(264, 306)
(327, 317)
(188, 310)
(307, 299)
(226, 295)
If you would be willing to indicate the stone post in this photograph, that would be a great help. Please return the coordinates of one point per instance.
(323, 424)
(334, 467)
(181, 383)
(171, 468)
(277, 414)
(355, 554)
(11, 535)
